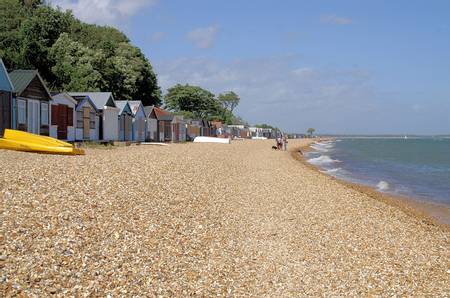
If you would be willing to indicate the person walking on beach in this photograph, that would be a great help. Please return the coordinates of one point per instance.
(279, 143)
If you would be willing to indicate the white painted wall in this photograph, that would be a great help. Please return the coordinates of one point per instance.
(110, 124)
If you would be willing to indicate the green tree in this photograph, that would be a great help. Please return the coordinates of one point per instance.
(95, 57)
(76, 66)
(310, 131)
(229, 100)
(12, 15)
(200, 102)
(38, 33)
(264, 126)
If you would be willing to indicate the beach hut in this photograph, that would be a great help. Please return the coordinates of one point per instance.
(151, 124)
(108, 112)
(30, 104)
(194, 128)
(6, 93)
(63, 116)
(178, 129)
(125, 121)
(87, 120)
(163, 128)
(139, 129)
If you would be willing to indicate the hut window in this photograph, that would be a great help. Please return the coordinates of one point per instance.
(44, 113)
(92, 120)
(22, 111)
(79, 119)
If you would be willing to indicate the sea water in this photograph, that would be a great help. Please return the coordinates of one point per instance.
(414, 167)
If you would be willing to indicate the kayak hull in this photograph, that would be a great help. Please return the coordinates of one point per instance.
(23, 141)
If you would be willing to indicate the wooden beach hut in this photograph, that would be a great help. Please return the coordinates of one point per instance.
(194, 128)
(151, 124)
(31, 102)
(164, 119)
(108, 112)
(6, 93)
(125, 121)
(138, 113)
(87, 120)
(165, 127)
(63, 116)
(178, 129)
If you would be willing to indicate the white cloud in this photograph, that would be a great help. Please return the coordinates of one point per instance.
(104, 12)
(335, 20)
(273, 91)
(203, 38)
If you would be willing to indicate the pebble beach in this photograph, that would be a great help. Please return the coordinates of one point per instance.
(205, 220)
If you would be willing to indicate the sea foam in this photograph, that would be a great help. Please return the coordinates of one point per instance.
(321, 160)
(382, 185)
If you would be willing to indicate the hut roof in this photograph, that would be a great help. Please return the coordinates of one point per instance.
(21, 78)
(100, 99)
(5, 81)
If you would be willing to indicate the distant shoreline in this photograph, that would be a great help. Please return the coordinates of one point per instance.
(428, 212)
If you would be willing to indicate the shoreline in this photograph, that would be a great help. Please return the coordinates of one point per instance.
(427, 212)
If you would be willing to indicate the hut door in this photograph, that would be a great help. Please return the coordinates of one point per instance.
(86, 123)
(33, 116)
(128, 128)
(5, 112)
(62, 122)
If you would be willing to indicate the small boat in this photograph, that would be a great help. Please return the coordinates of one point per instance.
(28, 142)
(211, 140)
(154, 144)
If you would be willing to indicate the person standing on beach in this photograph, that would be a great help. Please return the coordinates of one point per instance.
(285, 142)
(279, 143)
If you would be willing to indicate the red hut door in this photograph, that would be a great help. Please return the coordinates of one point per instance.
(62, 122)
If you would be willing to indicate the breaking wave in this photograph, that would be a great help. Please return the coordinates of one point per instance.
(382, 185)
(323, 159)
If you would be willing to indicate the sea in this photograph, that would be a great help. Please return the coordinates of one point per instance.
(415, 167)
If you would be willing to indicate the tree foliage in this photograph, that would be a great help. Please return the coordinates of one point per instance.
(72, 55)
(196, 102)
(311, 131)
(264, 126)
(200, 102)
(229, 100)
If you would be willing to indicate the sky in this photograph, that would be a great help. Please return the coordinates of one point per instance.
(340, 66)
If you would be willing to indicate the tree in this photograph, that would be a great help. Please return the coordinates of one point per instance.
(310, 131)
(264, 126)
(229, 100)
(87, 57)
(37, 35)
(200, 102)
(76, 67)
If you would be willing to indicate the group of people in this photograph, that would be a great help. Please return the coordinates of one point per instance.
(282, 142)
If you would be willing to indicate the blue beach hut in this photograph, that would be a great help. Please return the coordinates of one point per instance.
(6, 93)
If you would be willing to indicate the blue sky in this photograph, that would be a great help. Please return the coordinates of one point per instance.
(339, 66)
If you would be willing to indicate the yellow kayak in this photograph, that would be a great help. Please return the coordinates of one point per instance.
(22, 136)
(23, 141)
